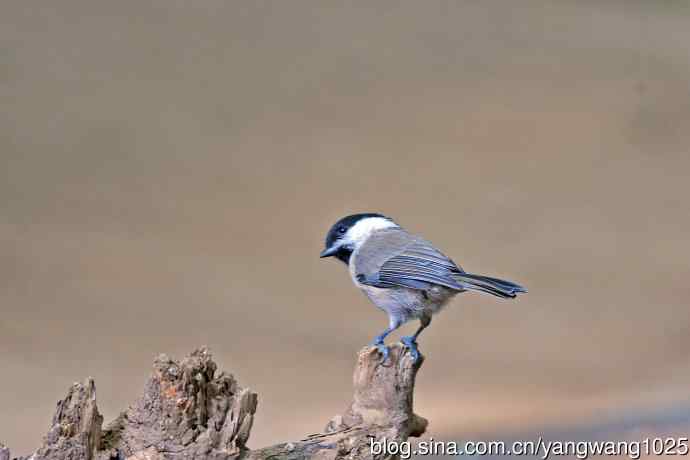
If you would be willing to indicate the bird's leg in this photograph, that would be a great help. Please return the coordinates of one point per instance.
(410, 341)
(378, 341)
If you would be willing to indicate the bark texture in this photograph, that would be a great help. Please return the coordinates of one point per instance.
(75, 432)
(189, 411)
(380, 409)
(186, 412)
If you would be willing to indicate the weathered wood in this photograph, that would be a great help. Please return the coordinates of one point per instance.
(75, 432)
(381, 409)
(188, 412)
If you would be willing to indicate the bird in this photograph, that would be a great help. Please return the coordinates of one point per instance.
(403, 274)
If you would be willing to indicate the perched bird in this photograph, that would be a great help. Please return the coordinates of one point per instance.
(403, 274)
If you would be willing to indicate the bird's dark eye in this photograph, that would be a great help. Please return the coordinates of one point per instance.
(342, 230)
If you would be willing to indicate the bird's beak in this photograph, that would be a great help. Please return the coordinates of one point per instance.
(329, 252)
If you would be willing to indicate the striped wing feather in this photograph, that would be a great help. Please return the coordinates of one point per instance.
(418, 266)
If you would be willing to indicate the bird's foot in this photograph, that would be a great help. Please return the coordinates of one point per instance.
(382, 348)
(411, 344)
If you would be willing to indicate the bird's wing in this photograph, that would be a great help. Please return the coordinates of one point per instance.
(417, 266)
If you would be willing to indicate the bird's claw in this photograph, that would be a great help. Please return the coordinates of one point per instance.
(382, 348)
(411, 344)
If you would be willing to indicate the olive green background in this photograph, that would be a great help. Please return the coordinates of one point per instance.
(169, 170)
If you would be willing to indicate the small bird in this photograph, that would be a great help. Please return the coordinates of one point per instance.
(403, 274)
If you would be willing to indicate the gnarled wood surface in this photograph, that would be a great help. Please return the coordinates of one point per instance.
(189, 411)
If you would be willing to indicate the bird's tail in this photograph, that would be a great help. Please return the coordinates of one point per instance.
(495, 286)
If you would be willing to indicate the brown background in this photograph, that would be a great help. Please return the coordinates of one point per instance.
(169, 170)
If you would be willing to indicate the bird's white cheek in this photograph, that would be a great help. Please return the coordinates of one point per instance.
(365, 227)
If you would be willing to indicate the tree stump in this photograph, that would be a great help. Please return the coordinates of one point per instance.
(188, 411)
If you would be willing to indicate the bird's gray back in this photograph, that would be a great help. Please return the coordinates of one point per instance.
(380, 247)
(394, 257)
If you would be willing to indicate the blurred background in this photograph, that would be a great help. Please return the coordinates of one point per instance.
(169, 170)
